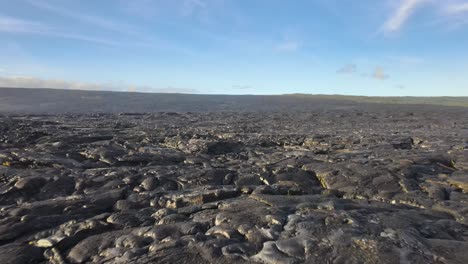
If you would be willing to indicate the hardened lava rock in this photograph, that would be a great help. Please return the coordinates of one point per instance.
(387, 184)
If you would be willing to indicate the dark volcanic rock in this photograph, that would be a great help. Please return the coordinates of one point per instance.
(341, 184)
(20, 254)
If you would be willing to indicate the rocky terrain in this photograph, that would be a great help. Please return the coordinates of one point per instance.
(342, 184)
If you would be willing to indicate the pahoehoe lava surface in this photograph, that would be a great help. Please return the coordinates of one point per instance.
(337, 182)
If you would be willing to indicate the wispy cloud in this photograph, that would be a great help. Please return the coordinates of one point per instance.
(16, 25)
(23, 26)
(456, 8)
(405, 60)
(288, 46)
(379, 73)
(128, 35)
(449, 13)
(241, 87)
(93, 20)
(149, 9)
(35, 82)
(347, 69)
(402, 13)
(11, 24)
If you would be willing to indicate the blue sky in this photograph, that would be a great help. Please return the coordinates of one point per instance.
(360, 47)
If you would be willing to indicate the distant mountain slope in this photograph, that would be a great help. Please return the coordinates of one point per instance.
(14, 100)
(443, 100)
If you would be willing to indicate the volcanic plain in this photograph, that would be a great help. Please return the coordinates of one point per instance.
(99, 177)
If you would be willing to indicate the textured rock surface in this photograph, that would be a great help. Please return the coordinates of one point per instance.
(368, 184)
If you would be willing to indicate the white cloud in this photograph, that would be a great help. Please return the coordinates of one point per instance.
(402, 14)
(16, 25)
(97, 21)
(288, 46)
(449, 13)
(347, 69)
(34, 82)
(405, 60)
(22, 26)
(127, 34)
(456, 8)
(241, 87)
(83, 38)
(11, 24)
(149, 9)
(379, 73)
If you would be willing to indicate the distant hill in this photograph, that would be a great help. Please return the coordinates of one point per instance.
(52, 101)
(443, 100)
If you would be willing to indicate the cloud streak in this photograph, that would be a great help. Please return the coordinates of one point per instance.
(22, 26)
(405, 60)
(452, 12)
(16, 25)
(401, 15)
(34, 82)
(120, 34)
(96, 21)
(347, 69)
(288, 46)
(241, 87)
(456, 9)
(11, 24)
(148, 9)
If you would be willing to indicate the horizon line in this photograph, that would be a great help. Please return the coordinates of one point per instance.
(213, 94)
